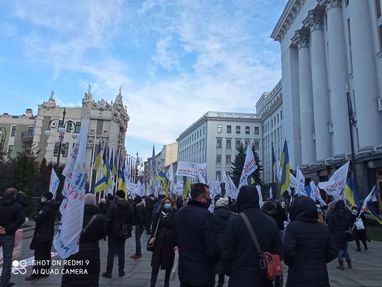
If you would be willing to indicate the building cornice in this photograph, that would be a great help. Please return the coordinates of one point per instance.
(286, 19)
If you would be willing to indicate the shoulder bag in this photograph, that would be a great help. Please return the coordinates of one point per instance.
(150, 247)
(269, 264)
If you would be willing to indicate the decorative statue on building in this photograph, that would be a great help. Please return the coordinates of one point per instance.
(51, 103)
(88, 99)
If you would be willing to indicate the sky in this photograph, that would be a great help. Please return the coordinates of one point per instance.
(174, 60)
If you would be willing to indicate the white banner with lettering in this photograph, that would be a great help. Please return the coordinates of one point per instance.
(191, 169)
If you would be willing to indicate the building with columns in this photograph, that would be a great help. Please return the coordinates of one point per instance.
(270, 108)
(331, 55)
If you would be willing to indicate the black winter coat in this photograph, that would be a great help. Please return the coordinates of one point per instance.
(11, 215)
(44, 229)
(308, 246)
(163, 254)
(239, 253)
(197, 242)
(119, 213)
(338, 223)
(140, 215)
(89, 252)
(221, 216)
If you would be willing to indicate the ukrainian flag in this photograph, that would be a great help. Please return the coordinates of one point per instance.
(350, 194)
(285, 168)
(98, 158)
(103, 182)
(122, 178)
(186, 188)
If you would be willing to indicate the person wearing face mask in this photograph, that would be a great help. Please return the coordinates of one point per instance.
(43, 236)
(163, 238)
(196, 239)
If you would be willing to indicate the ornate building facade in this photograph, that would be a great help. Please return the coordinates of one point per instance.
(331, 54)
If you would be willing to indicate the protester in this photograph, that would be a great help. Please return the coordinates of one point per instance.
(308, 246)
(163, 241)
(119, 220)
(221, 216)
(43, 236)
(11, 218)
(339, 222)
(274, 210)
(102, 205)
(88, 256)
(140, 216)
(359, 229)
(196, 239)
(149, 214)
(239, 253)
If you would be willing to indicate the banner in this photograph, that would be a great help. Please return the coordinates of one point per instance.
(248, 168)
(230, 188)
(66, 241)
(336, 183)
(191, 169)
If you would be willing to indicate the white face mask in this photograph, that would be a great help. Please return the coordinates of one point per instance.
(167, 205)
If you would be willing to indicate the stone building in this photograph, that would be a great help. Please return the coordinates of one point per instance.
(331, 55)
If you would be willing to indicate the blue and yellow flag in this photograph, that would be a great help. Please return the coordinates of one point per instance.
(350, 194)
(285, 168)
(98, 157)
(122, 178)
(105, 179)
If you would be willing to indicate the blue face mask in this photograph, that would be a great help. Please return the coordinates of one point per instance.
(167, 205)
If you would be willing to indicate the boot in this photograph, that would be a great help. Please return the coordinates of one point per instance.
(365, 245)
(349, 265)
(341, 266)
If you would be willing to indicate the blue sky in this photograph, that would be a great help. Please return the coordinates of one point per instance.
(175, 60)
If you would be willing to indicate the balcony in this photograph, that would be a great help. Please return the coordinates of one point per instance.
(27, 137)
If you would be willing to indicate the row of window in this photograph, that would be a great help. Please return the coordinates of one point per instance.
(247, 129)
(228, 159)
(194, 136)
(273, 121)
(228, 143)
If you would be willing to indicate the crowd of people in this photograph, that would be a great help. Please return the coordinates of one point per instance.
(211, 245)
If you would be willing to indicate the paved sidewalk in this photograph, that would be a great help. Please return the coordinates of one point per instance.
(367, 267)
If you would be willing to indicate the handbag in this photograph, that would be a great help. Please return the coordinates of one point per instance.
(269, 264)
(150, 247)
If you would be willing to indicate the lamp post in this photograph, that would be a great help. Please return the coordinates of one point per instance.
(61, 127)
(3, 135)
(352, 122)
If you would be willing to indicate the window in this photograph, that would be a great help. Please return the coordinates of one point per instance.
(350, 51)
(218, 175)
(60, 123)
(77, 127)
(238, 129)
(380, 37)
(257, 145)
(237, 143)
(277, 118)
(30, 131)
(65, 150)
(281, 115)
(228, 159)
(218, 143)
(247, 130)
(218, 158)
(228, 143)
(10, 149)
(229, 128)
(56, 146)
(220, 129)
(13, 131)
(256, 130)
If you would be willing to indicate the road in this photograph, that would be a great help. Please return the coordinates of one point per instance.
(367, 266)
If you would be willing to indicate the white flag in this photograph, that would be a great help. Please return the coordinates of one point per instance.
(54, 183)
(66, 241)
(336, 183)
(368, 198)
(317, 194)
(230, 188)
(248, 168)
(270, 192)
(300, 181)
(170, 173)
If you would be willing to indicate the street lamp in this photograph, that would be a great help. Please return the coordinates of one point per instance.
(61, 127)
(3, 135)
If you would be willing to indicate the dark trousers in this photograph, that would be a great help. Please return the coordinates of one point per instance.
(138, 234)
(343, 253)
(154, 275)
(42, 263)
(115, 245)
(182, 284)
(149, 220)
(8, 243)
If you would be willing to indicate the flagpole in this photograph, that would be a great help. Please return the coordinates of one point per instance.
(92, 164)
(352, 122)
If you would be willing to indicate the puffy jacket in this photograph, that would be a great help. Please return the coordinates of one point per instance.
(11, 215)
(119, 213)
(308, 246)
